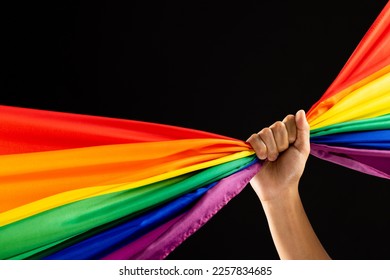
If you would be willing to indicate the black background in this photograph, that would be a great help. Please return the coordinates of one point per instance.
(224, 67)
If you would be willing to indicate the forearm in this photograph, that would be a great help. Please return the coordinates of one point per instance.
(291, 230)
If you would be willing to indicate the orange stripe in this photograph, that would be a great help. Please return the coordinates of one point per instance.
(324, 105)
(28, 177)
(369, 59)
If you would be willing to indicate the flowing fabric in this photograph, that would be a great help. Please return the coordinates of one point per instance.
(350, 123)
(75, 186)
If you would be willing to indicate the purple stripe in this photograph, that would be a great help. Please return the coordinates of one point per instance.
(369, 161)
(131, 250)
(159, 243)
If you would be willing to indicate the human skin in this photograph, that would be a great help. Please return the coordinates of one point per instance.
(284, 146)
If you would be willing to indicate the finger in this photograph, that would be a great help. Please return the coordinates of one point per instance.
(258, 146)
(280, 136)
(269, 141)
(289, 122)
(303, 132)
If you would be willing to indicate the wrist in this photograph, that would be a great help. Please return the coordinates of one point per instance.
(291, 230)
(286, 200)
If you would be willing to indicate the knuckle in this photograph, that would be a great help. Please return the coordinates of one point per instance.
(289, 118)
(252, 138)
(278, 126)
(265, 132)
(258, 146)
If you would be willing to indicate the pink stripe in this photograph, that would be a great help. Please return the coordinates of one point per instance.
(131, 250)
(373, 162)
(159, 243)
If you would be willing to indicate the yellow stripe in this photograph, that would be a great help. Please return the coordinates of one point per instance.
(51, 202)
(371, 100)
(329, 102)
(25, 178)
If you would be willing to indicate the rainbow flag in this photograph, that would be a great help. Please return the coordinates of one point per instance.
(75, 186)
(350, 123)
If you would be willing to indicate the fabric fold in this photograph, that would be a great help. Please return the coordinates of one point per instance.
(76, 186)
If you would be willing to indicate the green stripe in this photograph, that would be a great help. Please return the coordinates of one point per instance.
(69, 220)
(78, 238)
(382, 122)
(34, 252)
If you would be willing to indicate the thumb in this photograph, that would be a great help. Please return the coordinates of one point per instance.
(302, 142)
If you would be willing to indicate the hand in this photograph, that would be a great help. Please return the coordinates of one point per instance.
(285, 148)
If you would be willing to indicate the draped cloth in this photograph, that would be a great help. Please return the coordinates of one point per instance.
(350, 123)
(76, 186)
(85, 187)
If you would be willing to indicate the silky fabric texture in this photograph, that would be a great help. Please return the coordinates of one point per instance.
(74, 186)
(163, 240)
(50, 131)
(102, 243)
(77, 177)
(58, 224)
(369, 61)
(349, 124)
